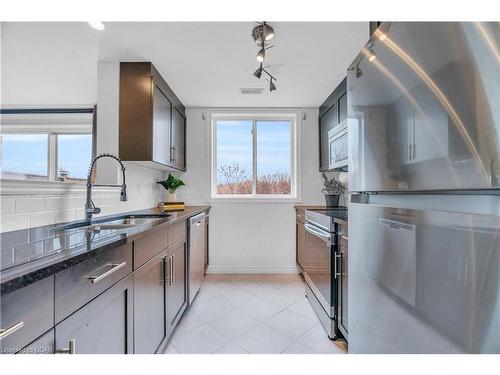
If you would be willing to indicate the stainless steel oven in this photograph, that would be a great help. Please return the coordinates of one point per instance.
(319, 268)
(337, 146)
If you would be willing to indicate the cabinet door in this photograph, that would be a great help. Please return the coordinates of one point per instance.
(343, 108)
(178, 146)
(103, 326)
(162, 120)
(342, 290)
(326, 123)
(301, 244)
(42, 345)
(176, 289)
(149, 305)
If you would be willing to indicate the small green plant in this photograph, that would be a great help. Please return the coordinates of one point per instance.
(172, 183)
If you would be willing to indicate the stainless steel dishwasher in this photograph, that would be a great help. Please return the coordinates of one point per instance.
(196, 242)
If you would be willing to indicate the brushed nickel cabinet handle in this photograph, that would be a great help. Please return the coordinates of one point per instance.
(7, 331)
(71, 349)
(172, 278)
(172, 154)
(345, 238)
(115, 267)
(168, 271)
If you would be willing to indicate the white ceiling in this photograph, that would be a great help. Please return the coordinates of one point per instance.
(206, 63)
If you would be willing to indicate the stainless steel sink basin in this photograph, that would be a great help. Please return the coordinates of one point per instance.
(114, 223)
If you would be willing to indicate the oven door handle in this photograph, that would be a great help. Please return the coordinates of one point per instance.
(325, 236)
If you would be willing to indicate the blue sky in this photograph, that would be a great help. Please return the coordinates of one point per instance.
(234, 144)
(27, 153)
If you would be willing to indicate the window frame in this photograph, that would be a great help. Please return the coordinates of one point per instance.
(254, 117)
(52, 130)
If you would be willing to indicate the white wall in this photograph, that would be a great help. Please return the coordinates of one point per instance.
(250, 237)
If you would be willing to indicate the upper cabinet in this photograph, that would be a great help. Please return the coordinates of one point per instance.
(331, 112)
(152, 118)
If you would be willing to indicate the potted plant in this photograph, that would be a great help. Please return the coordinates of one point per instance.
(333, 190)
(171, 184)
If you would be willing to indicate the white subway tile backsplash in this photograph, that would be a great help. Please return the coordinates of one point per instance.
(7, 205)
(14, 222)
(54, 203)
(42, 218)
(65, 215)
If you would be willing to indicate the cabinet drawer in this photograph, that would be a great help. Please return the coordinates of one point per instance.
(78, 285)
(177, 232)
(26, 314)
(153, 243)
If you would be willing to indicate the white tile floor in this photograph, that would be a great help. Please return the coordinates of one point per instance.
(241, 314)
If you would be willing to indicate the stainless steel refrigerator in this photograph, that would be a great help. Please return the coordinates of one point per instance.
(424, 182)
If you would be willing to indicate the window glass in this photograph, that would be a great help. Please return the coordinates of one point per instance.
(234, 157)
(24, 157)
(237, 173)
(74, 153)
(273, 157)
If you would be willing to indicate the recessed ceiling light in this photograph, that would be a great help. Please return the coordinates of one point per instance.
(97, 25)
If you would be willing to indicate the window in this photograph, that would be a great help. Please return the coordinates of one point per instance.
(253, 157)
(46, 146)
(74, 153)
(24, 156)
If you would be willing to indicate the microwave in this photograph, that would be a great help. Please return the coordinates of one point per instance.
(337, 146)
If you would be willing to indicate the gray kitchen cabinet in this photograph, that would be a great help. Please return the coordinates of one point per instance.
(301, 243)
(342, 285)
(104, 325)
(178, 147)
(152, 129)
(162, 123)
(45, 344)
(331, 112)
(176, 288)
(150, 305)
(25, 314)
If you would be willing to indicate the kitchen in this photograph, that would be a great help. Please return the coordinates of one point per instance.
(158, 201)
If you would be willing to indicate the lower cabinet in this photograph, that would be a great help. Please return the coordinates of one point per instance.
(45, 344)
(300, 246)
(150, 304)
(176, 288)
(102, 326)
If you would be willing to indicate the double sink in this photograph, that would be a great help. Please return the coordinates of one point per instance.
(113, 223)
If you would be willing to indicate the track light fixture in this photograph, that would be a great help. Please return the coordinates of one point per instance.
(262, 35)
(258, 72)
(272, 86)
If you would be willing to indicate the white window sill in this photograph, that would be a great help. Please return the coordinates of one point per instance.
(13, 187)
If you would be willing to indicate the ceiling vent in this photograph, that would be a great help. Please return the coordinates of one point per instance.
(252, 91)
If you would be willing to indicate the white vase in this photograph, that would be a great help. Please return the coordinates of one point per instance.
(171, 197)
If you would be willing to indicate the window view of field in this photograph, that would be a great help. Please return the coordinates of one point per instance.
(235, 168)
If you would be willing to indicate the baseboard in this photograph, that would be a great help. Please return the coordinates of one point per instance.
(251, 269)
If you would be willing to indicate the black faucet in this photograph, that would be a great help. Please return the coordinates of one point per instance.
(90, 207)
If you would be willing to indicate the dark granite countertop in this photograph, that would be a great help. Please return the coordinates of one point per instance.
(32, 254)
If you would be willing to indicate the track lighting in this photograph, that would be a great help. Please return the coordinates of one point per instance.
(261, 55)
(359, 72)
(272, 86)
(258, 72)
(262, 34)
(370, 54)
